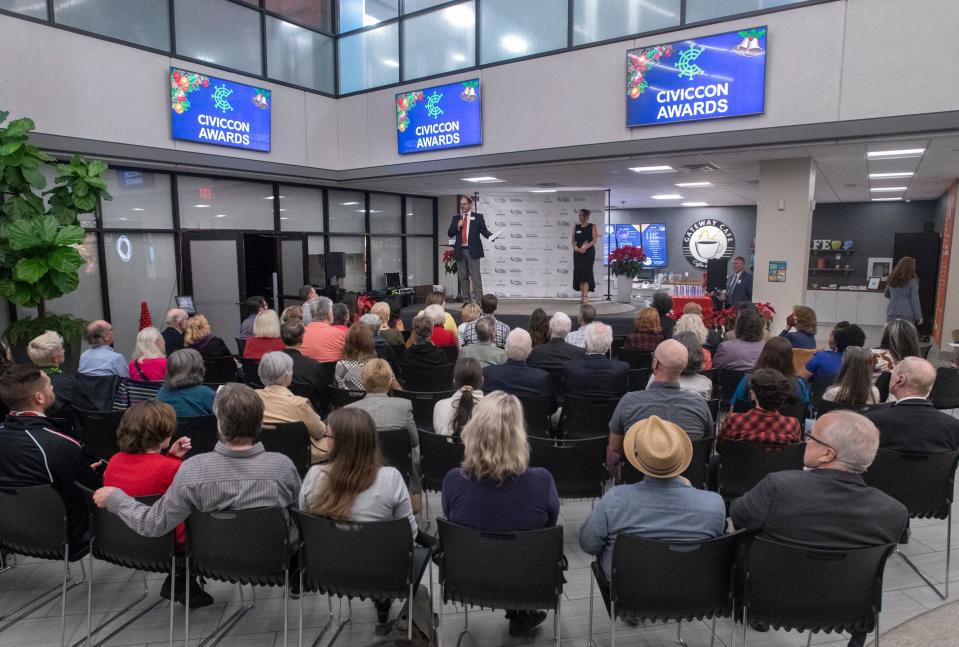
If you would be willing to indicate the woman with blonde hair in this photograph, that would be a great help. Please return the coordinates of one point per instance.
(199, 336)
(393, 336)
(266, 336)
(902, 290)
(470, 312)
(803, 319)
(148, 359)
(495, 490)
(693, 322)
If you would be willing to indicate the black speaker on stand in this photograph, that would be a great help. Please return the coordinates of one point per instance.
(335, 271)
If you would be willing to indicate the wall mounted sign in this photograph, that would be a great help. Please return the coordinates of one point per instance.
(777, 271)
(209, 110)
(712, 77)
(445, 116)
(707, 239)
(651, 237)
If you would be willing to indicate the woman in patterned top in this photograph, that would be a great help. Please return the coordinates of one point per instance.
(357, 351)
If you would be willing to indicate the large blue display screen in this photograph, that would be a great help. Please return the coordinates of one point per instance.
(707, 78)
(209, 110)
(652, 238)
(447, 116)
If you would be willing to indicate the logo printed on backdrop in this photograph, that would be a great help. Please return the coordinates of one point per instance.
(708, 239)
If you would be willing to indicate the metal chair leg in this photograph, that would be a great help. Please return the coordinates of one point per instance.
(745, 625)
(441, 616)
(225, 627)
(286, 605)
(612, 622)
(466, 625)
(944, 592)
(63, 595)
(299, 630)
(37, 602)
(679, 634)
(712, 633)
(172, 595)
(409, 614)
(119, 614)
(186, 615)
(556, 618)
(589, 636)
(877, 629)
(349, 618)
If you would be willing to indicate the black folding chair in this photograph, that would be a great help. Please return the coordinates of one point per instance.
(451, 352)
(251, 372)
(817, 387)
(220, 370)
(437, 378)
(637, 358)
(827, 406)
(242, 546)
(102, 388)
(438, 455)
(100, 431)
(202, 432)
(796, 587)
(397, 451)
(616, 347)
(423, 403)
(339, 398)
(638, 379)
(662, 580)
(945, 390)
(586, 417)
(882, 385)
(578, 466)
(292, 439)
(240, 345)
(743, 464)
(725, 381)
(697, 472)
(924, 484)
(536, 412)
(524, 571)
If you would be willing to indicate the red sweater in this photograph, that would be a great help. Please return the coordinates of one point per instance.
(443, 337)
(257, 347)
(144, 475)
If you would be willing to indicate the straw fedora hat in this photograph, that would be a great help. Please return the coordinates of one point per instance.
(658, 448)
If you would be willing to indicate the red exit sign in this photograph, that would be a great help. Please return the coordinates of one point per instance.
(206, 193)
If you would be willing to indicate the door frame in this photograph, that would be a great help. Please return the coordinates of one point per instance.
(304, 279)
(187, 236)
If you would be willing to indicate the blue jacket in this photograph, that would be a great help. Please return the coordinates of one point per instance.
(476, 228)
(517, 378)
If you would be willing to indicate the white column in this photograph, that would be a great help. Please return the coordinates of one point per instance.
(783, 232)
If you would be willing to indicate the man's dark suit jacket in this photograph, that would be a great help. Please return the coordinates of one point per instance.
(308, 377)
(742, 292)
(552, 355)
(916, 426)
(173, 339)
(596, 377)
(517, 378)
(476, 228)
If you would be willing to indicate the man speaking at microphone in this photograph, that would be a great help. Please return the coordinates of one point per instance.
(464, 232)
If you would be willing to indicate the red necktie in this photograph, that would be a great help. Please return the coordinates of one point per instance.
(466, 224)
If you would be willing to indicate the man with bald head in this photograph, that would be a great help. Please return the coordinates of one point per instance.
(913, 424)
(173, 333)
(100, 359)
(662, 398)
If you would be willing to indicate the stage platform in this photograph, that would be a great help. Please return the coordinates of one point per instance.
(515, 312)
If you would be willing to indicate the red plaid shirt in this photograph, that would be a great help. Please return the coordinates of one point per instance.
(760, 426)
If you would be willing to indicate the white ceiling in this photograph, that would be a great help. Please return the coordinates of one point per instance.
(843, 174)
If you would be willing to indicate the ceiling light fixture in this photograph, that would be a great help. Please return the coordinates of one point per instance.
(482, 179)
(695, 204)
(221, 215)
(685, 185)
(885, 199)
(887, 189)
(514, 44)
(137, 209)
(666, 196)
(651, 169)
(202, 206)
(543, 191)
(904, 152)
(391, 62)
(879, 176)
(459, 16)
(349, 204)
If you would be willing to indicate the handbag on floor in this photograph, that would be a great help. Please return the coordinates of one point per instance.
(424, 634)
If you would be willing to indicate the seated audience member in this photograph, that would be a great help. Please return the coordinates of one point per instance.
(307, 373)
(47, 353)
(32, 452)
(488, 305)
(100, 359)
(693, 322)
(175, 326)
(770, 390)
(437, 298)
(423, 354)
(495, 490)
(451, 414)
(355, 485)
(441, 336)
(691, 379)
(307, 293)
(141, 469)
(553, 354)
(266, 335)
(664, 305)
(854, 383)
(322, 341)
(483, 350)
(515, 376)
(183, 388)
(381, 347)
(148, 360)
(468, 314)
(662, 398)
(596, 376)
(899, 340)
(741, 353)
(392, 336)
(253, 306)
(664, 505)
(292, 312)
(801, 327)
(199, 337)
(341, 316)
(828, 362)
(777, 354)
(827, 505)
(913, 424)
(280, 405)
(539, 327)
(647, 333)
(239, 474)
(587, 314)
(357, 351)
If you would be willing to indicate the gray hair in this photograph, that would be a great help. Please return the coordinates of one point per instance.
(599, 337)
(485, 328)
(372, 322)
(695, 362)
(321, 309)
(693, 323)
(920, 375)
(560, 325)
(435, 314)
(184, 368)
(43, 348)
(274, 367)
(853, 437)
(238, 410)
(518, 345)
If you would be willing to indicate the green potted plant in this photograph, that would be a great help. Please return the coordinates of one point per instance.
(625, 263)
(39, 232)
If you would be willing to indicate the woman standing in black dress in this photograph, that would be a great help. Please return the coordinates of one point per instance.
(585, 236)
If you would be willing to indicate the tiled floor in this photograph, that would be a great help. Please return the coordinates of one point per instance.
(905, 596)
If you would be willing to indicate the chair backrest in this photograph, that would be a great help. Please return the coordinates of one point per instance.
(240, 345)
(945, 391)
(341, 397)
(921, 482)
(245, 546)
(637, 358)
(292, 439)
(801, 356)
(251, 374)
(697, 472)
(638, 379)
(202, 432)
(438, 455)
(423, 403)
(882, 385)
(33, 521)
(800, 588)
(577, 466)
(587, 417)
(536, 413)
(451, 352)
(725, 381)
(113, 541)
(825, 406)
(100, 431)
(713, 404)
(799, 411)
(743, 464)
(663, 580)
(523, 570)
(103, 389)
(328, 372)
(707, 372)
(742, 406)
(220, 370)
(437, 378)
(365, 560)
(817, 386)
(616, 347)
(397, 451)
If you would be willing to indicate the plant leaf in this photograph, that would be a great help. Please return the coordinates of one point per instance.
(10, 147)
(80, 188)
(29, 270)
(34, 177)
(20, 293)
(20, 127)
(96, 168)
(85, 203)
(64, 259)
(21, 234)
(66, 282)
(69, 235)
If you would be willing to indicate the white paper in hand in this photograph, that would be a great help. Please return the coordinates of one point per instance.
(496, 235)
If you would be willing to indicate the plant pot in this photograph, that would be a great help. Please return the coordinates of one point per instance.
(624, 288)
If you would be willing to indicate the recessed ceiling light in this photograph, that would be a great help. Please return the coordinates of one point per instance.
(282, 210)
(283, 218)
(349, 204)
(904, 152)
(514, 44)
(885, 199)
(877, 176)
(651, 169)
(202, 206)
(459, 16)
(221, 215)
(666, 196)
(458, 57)
(391, 62)
(693, 184)
(695, 204)
(887, 189)
(482, 179)
(137, 209)
(543, 191)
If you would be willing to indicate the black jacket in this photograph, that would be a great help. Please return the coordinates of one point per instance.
(425, 355)
(308, 378)
(211, 346)
(553, 354)
(477, 227)
(596, 377)
(173, 339)
(916, 426)
(71, 394)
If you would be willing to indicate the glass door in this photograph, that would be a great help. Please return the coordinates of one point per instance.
(292, 253)
(213, 267)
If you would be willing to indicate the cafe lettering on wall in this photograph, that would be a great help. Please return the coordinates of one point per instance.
(707, 239)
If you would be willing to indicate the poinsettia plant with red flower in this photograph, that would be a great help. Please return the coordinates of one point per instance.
(449, 261)
(363, 304)
(626, 261)
(724, 319)
(766, 313)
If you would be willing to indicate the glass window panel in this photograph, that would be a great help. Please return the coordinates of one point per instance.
(385, 215)
(595, 20)
(511, 29)
(369, 59)
(301, 208)
(145, 22)
(299, 56)
(697, 10)
(347, 212)
(316, 261)
(363, 13)
(217, 203)
(141, 200)
(35, 8)
(312, 13)
(419, 216)
(386, 255)
(439, 41)
(291, 252)
(219, 32)
(420, 260)
(151, 260)
(409, 6)
(85, 302)
(355, 249)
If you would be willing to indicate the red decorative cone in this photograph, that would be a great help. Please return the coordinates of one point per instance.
(145, 320)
